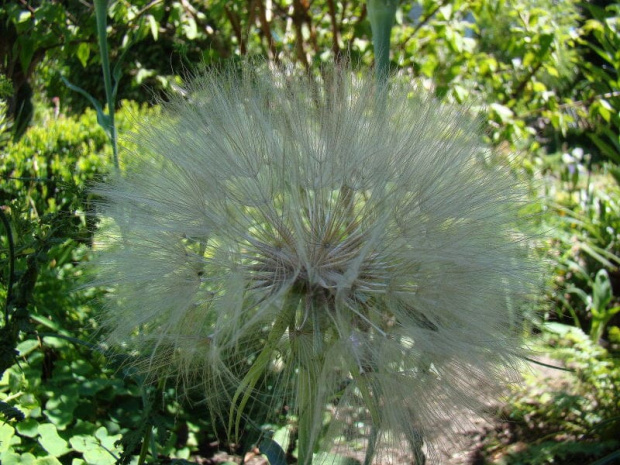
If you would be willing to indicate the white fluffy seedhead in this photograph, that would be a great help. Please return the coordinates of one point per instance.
(270, 233)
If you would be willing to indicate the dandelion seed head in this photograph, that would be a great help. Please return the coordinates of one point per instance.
(399, 238)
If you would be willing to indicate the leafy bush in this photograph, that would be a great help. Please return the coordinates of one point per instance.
(74, 404)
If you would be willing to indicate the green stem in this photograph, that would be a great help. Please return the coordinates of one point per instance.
(11, 277)
(310, 364)
(145, 445)
(372, 444)
(597, 329)
(101, 14)
(244, 390)
(306, 387)
(381, 14)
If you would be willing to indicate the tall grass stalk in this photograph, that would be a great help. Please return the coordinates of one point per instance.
(101, 15)
(381, 14)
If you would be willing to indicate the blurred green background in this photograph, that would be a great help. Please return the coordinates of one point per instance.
(543, 75)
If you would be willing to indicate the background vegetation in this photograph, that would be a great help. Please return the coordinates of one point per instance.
(545, 76)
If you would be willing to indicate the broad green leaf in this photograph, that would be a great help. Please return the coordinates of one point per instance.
(13, 458)
(91, 449)
(59, 409)
(106, 440)
(10, 412)
(28, 428)
(7, 437)
(51, 441)
(552, 70)
(27, 346)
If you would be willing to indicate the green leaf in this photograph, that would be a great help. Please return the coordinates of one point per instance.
(48, 461)
(605, 110)
(12, 458)
(92, 450)
(23, 16)
(59, 409)
(560, 329)
(601, 290)
(103, 119)
(28, 428)
(83, 53)
(607, 149)
(190, 28)
(7, 437)
(504, 113)
(460, 93)
(282, 436)
(105, 439)
(154, 26)
(51, 441)
(545, 43)
(26, 51)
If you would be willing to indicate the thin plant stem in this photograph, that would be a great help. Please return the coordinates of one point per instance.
(244, 390)
(306, 394)
(381, 14)
(145, 446)
(372, 444)
(9, 288)
(101, 13)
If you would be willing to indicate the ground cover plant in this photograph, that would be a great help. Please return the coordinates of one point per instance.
(542, 77)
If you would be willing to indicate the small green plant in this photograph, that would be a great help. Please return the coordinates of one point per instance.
(600, 308)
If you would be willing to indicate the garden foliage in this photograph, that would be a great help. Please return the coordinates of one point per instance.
(542, 75)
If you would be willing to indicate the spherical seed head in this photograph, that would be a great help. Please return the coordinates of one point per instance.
(372, 252)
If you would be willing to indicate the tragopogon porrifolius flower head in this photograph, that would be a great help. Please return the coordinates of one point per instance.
(287, 245)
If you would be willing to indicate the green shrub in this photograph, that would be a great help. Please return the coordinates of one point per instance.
(75, 403)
